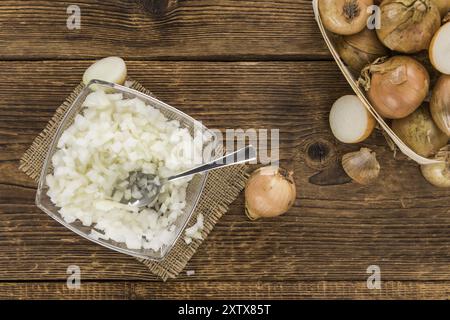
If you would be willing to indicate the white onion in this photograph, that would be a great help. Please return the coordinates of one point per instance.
(440, 49)
(112, 137)
(350, 121)
(195, 231)
(112, 69)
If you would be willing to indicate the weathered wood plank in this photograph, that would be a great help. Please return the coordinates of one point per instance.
(225, 290)
(333, 233)
(33, 246)
(166, 29)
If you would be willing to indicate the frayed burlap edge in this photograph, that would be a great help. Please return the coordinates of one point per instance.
(221, 189)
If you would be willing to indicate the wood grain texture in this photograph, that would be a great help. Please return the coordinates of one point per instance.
(230, 64)
(164, 29)
(252, 290)
(332, 234)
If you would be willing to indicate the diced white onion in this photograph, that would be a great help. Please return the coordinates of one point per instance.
(195, 232)
(109, 139)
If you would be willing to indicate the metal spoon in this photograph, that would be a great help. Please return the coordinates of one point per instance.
(149, 185)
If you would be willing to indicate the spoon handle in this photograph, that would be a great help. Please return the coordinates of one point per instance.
(240, 156)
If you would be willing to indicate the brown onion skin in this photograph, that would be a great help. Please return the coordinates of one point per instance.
(440, 104)
(334, 19)
(419, 132)
(443, 6)
(438, 174)
(259, 194)
(423, 58)
(398, 30)
(360, 49)
(397, 97)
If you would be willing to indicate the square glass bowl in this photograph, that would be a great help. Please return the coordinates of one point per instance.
(194, 189)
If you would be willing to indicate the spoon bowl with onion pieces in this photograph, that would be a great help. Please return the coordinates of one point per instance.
(145, 188)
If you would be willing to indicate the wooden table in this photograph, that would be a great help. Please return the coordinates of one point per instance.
(231, 64)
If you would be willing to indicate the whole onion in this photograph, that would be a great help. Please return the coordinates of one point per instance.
(360, 49)
(438, 174)
(440, 104)
(419, 132)
(408, 25)
(395, 86)
(344, 16)
(269, 192)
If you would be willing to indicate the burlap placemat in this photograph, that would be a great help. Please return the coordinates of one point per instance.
(221, 189)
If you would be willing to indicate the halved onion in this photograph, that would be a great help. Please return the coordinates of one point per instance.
(350, 121)
(111, 69)
(440, 49)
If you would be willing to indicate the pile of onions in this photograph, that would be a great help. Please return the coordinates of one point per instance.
(397, 62)
(407, 26)
(270, 192)
(396, 86)
(344, 17)
(360, 49)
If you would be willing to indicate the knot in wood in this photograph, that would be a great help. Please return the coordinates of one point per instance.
(157, 8)
(318, 152)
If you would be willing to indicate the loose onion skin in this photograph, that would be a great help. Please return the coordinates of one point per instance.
(270, 192)
(440, 104)
(407, 26)
(362, 166)
(396, 86)
(344, 17)
(360, 49)
(419, 132)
